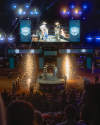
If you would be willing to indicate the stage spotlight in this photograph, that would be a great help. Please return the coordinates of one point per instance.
(2, 38)
(31, 13)
(76, 11)
(83, 50)
(32, 51)
(72, 6)
(23, 13)
(84, 6)
(27, 6)
(72, 18)
(20, 11)
(17, 51)
(28, 18)
(68, 12)
(79, 12)
(89, 38)
(16, 18)
(83, 18)
(36, 12)
(14, 6)
(97, 38)
(68, 51)
(10, 38)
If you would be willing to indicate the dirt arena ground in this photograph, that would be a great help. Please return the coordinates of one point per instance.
(76, 83)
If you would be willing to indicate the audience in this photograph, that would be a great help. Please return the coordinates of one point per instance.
(38, 118)
(20, 113)
(90, 105)
(2, 113)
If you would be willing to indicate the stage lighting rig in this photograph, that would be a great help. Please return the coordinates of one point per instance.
(27, 6)
(14, 6)
(10, 38)
(17, 51)
(89, 38)
(20, 11)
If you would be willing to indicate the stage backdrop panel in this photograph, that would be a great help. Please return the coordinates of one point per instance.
(59, 63)
(11, 63)
(74, 30)
(25, 30)
(89, 62)
(50, 53)
(41, 63)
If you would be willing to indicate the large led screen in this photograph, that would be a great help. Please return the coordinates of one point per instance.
(74, 30)
(25, 30)
(68, 31)
(51, 32)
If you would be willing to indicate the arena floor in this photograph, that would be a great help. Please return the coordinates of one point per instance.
(76, 83)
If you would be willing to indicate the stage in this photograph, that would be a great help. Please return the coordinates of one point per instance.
(50, 83)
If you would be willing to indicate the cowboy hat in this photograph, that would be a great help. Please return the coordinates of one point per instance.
(44, 23)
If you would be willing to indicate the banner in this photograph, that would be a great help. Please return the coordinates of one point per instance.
(74, 30)
(25, 30)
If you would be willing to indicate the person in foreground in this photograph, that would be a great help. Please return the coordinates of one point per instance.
(20, 113)
(70, 114)
(90, 105)
(2, 113)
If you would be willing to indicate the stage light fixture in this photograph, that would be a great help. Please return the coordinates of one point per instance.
(89, 38)
(68, 12)
(72, 18)
(2, 38)
(84, 6)
(10, 38)
(68, 51)
(76, 11)
(20, 11)
(27, 6)
(72, 6)
(17, 51)
(14, 6)
(79, 12)
(32, 51)
(23, 13)
(31, 12)
(97, 38)
(83, 50)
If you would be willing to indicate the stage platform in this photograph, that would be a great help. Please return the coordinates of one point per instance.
(50, 83)
(50, 79)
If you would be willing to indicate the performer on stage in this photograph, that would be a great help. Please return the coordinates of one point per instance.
(43, 31)
(57, 31)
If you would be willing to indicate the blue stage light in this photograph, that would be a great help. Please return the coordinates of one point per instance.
(83, 18)
(2, 38)
(84, 6)
(31, 13)
(23, 13)
(97, 38)
(89, 38)
(27, 6)
(32, 51)
(10, 38)
(72, 6)
(72, 18)
(17, 51)
(14, 6)
(68, 51)
(83, 50)
(68, 12)
(79, 12)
